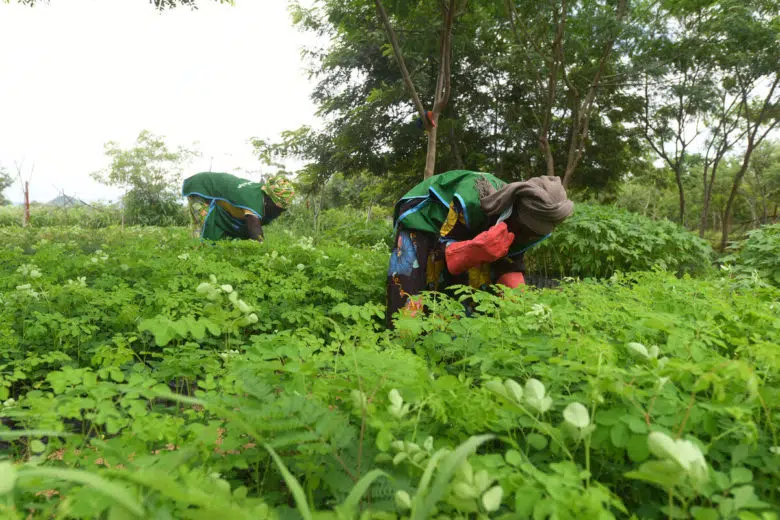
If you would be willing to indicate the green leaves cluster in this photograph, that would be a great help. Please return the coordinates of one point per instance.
(136, 385)
(758, 254)
(600, 240)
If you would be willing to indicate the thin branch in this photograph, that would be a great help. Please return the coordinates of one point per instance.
(400, 59)
(580, 132)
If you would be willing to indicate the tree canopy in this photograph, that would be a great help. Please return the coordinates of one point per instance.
(149, 173)
(597, 93)
(5, 182)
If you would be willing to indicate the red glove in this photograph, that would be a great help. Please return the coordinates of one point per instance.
(486, 247)
(512, 280)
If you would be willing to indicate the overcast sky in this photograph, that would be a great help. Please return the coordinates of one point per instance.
(78, 73)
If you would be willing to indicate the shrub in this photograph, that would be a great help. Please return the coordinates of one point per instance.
(353, 226)
(95, 217)
(598, 241)
(759, 252)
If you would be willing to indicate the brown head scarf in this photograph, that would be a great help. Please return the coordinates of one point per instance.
(540, 202)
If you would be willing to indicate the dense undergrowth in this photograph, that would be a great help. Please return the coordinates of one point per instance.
(95, 216)
(758, 254)
(596, 241)
(145, 375)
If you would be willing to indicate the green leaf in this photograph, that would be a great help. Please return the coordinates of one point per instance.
(424, 505)
(8, 477)
(119, 494)
(619, 435)
(577, 415)
(665, 473)
(352, 502)
(536, 441)
(292, 484)
(514, 458)
(740, 476)
(526, 499)
(745, 498)
(705, 513)
(491, 500)
(383, 440)
(37, 446)
(739, 454)
(635, 424)
(637, 448)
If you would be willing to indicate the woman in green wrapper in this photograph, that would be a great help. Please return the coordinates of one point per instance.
(468, 228)
(225, 206)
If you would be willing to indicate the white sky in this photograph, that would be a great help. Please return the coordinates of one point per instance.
(78, 73)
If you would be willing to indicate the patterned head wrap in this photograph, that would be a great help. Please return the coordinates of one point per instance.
(280, 190)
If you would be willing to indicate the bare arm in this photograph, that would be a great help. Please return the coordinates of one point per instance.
(255, 228)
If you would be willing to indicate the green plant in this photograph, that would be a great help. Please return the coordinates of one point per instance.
(598, 241)
(759, 254)
(143, 369)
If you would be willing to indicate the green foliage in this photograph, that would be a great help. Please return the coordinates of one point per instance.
(144, 373)
(159, 4)
(759, 254)
(340, 225)
(5, 182)
(499, 92)
(150, 174)
(597, 241)
(95, 217)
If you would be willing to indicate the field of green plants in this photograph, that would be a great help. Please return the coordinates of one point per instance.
(146, 375)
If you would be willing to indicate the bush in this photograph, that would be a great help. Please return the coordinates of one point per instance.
(759, 253)
(166, 212)
(349, 225)
(143, 370)
(144, 207)
(95, 217)
(598, 241)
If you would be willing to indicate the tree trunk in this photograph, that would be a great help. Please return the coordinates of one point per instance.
(727, 217)
(26, 218)
(678, 176)
(753, 140)
(707, 197)
(753, 214)
(430, 156)
(443, 82)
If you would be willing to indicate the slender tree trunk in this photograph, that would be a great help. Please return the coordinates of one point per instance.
(681, 190)
(753, 140)
(583, 111)
(443, 82)
(753, 214)
(707, 197)
(26, 219)
(430, 156)
(727, 217)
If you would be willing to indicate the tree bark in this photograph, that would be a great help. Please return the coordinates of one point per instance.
(443, 81)
(722, 148)
(678, 177)
(583, 111)
(399, 57)
(430, 155)
(26, 219)
(753, 141)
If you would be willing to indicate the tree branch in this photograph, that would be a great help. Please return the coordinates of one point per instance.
(380, 8)
(580, 131)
